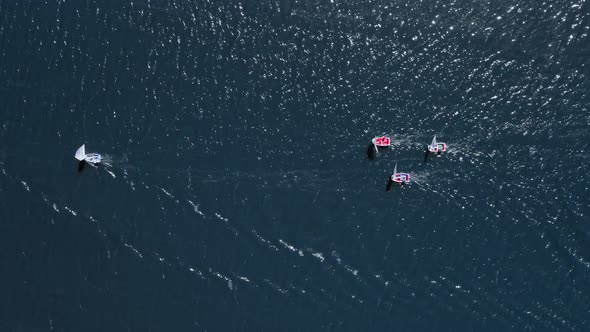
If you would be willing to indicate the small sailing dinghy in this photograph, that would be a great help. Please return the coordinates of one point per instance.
(435, 147)
(377, 144)
(399, 178)
(91, 158)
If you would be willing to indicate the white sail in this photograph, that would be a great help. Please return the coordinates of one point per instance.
(433, 144)
(395, 170)
(81, 153)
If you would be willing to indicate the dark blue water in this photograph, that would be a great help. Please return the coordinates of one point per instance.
(237, 195)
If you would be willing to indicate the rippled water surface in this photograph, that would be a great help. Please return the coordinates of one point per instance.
(237, 194)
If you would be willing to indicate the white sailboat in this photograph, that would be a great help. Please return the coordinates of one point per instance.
(399, 178)
(92, 158)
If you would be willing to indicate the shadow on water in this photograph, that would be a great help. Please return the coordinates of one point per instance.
(83, 164)
(389, 184)
(372, 152)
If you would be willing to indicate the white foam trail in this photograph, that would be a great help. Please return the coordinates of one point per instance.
(290, 247)
(196, 207)
(165, 192)
(71, 211)
(275, 286)
(134, 250)
(230, 284)
(160, 258)
(319, 256)
(221, 217)
(263, 240)
(199, 273)
(349, 268)
(244, 279)
(111, 173)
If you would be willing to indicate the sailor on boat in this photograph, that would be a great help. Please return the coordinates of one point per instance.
(83, 157)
